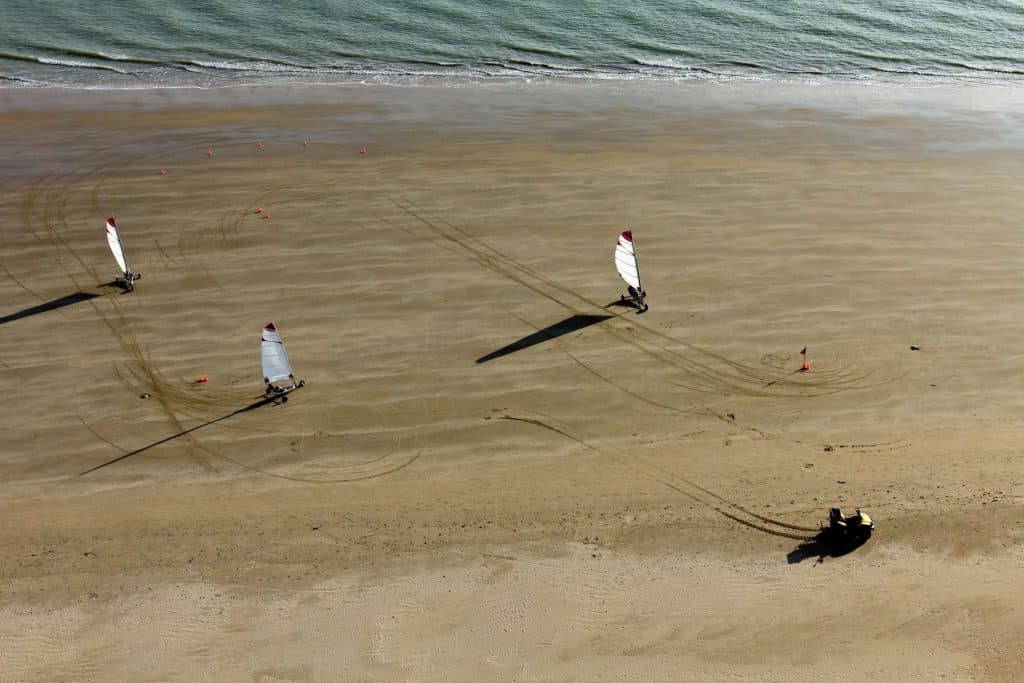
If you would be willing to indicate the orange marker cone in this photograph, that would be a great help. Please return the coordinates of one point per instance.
(806, 366)
(363, 150)
(209, 152)
(201, 379)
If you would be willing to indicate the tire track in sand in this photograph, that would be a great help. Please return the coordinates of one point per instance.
(709, 372)
(686, 487)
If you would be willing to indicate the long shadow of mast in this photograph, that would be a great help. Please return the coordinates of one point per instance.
(60, 302)
(172, 437)
(562, 327)
(53, 304)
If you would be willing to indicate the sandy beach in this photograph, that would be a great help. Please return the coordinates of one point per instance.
(493, 472)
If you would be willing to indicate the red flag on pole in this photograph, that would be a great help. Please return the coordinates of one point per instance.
(803, 351)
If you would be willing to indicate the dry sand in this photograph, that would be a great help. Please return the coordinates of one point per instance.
(454, 495)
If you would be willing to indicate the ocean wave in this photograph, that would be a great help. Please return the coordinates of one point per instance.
(206, 73)
(262, 66)
(14, 57)
(21, 82)
(70, 63)
(74, 64)
(96, 54)
(981, 69)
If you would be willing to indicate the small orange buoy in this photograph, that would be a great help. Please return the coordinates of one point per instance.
(259, 210)
(201, 379)
(363, 150)
(163, 172)
(305, 143)
(209, 152)
(259, 144)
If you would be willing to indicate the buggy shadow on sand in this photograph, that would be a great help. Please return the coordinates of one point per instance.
(824, 544)
(842, 535)
(122, 285)
(625, 302)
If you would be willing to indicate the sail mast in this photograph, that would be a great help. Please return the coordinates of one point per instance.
(636, 264)
(625, 259)
(123, 254)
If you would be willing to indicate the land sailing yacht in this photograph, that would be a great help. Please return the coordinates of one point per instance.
(276, 367)
(629, 270)
(127, 278)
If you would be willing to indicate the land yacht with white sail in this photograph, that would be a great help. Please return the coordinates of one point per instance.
(276, 367)
(629, 270)
(127, 278)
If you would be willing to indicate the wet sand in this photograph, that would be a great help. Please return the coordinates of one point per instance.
(493, 472)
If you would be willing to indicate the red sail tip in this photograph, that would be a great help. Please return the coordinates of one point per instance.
(628, 235)
(111, 221)
(270, 327)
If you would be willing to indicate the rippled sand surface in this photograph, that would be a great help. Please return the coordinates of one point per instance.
(494, 472)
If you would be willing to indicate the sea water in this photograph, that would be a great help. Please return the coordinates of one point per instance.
(211, 43)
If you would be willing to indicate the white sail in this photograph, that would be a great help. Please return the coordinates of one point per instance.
(275, 361)
(625, 260)
(114, 240)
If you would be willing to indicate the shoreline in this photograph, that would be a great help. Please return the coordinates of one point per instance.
(756, 92)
